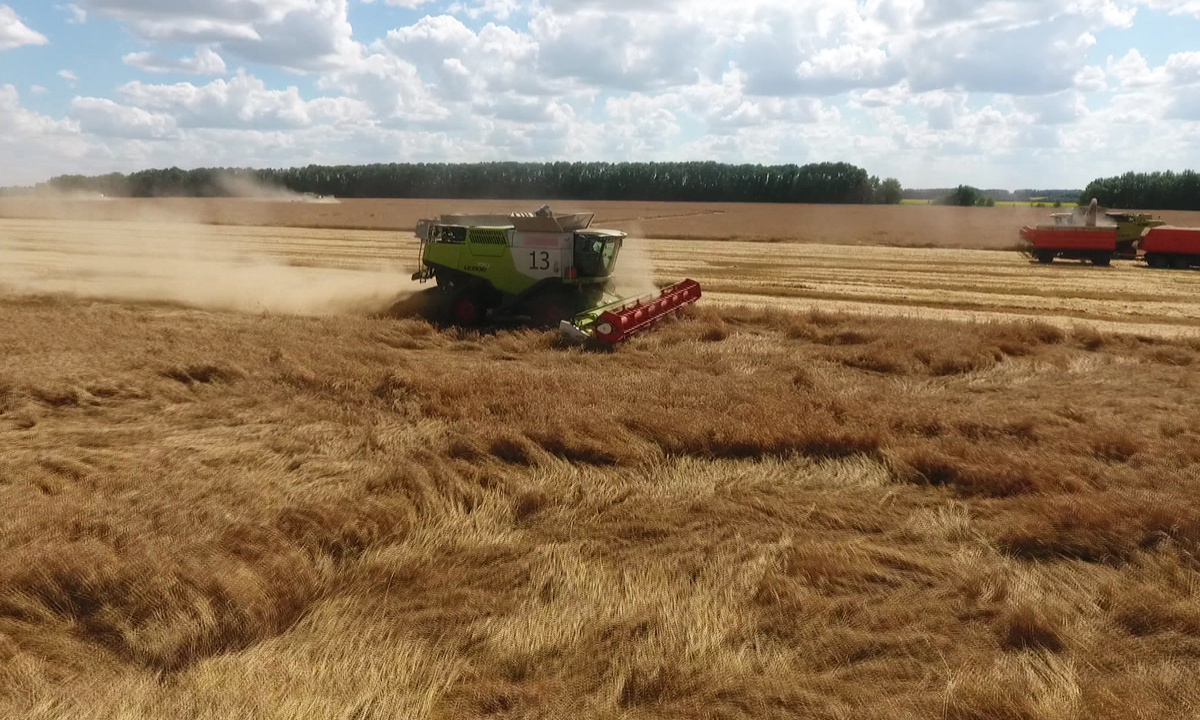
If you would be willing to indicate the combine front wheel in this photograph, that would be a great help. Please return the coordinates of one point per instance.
(1045, 257)
(467, 309)
(549, 307)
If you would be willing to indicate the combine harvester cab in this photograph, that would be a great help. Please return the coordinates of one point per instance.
(1131, 227)
(548, 270)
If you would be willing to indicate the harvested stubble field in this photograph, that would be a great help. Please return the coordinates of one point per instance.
(260, 267)
(759, 511)
(900, 226)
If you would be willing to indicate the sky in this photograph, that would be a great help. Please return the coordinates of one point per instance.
(994, 93)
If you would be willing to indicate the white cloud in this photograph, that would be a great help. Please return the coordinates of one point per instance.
(880, 97)
(1175, 7)
(18, 124)
(390, 86)
(974, 92)
(1091, 79)
(822, 48)
(38, 89)
(68, 76)
(1145, 109)
(981, 60)
(462, 63)
(805, 47)
(637, 126)
(32, 143)
(1170, 91)
(728, 106)
(627, 51)
(14, 33)
(293, 34)
(243, 101)
(409, 4)
(78, 15)
(1185, 105)
(1132, 71)
(952, 134)
(1060, 108)
(104, 117)
(499, 9)
(1183, 68)
(315, 37)
(205, 62)
(441, 35)
(816, 49)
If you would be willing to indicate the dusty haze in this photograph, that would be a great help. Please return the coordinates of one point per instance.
(635, 272)
(190, 264)
(246, 187)
(905, 226)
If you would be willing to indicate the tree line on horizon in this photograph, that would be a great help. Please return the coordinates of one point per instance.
(998, 195)
(1146, 191)
(966, 196)
(840, 183)
(827, 182)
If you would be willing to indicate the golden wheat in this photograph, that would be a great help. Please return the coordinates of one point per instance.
(750, 513)
(768, 509)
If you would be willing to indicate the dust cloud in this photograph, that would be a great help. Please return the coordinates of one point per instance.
(635, 269)
(188, 264)
(250, 188)
(1079, 218)
(54, 194)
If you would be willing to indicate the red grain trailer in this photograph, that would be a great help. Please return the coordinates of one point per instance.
(1071, 242)
(1167, 246)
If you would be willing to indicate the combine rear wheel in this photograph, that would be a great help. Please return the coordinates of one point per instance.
(1045, 257)
(1102, 260)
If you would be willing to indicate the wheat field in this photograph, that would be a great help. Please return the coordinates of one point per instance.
(852, 482)
(318, 270)
(869, 225)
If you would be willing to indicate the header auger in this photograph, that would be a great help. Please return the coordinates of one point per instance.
(543, 269)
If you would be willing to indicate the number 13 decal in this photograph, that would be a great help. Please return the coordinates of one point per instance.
(539, 260)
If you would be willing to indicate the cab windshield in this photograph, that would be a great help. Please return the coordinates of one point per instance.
(595, 255)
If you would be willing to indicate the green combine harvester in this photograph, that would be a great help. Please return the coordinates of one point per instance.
(551, 271)
(1130, 228)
